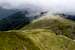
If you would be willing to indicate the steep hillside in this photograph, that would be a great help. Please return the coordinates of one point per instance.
(35, 39)
(57, 24)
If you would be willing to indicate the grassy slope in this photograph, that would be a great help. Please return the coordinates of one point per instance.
(39, 35)
(38, 39)
(58, 25)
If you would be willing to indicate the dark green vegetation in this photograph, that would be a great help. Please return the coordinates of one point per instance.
(44, 34)
(18, 20)
(14, 21)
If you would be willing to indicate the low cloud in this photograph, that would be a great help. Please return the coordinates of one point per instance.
(62, 6)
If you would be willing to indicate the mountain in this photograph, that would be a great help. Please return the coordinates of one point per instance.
(44, 33)
(18, 17)
(18, 20)
(67, 16)
(23, 30)
(57, 24)
(6, 12)
(32, 9)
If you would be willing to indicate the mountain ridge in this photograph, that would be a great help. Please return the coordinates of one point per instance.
(59, 25)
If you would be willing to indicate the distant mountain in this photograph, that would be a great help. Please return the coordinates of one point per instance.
(32, 10)
(6, 12)
(71, 17)
(18, 20)
(67, 16)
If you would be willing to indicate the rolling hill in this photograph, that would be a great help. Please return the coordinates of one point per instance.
(36, 39)
(57, 24)
(45, 33)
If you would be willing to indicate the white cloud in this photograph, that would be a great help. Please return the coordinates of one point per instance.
(56, 5)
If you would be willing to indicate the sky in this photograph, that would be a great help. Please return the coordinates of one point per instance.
(66, 6)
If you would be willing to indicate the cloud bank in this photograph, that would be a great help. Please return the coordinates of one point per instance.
(64, 6)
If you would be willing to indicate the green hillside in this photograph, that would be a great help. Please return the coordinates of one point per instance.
(41, 34)
(58, 25)
(38, 39)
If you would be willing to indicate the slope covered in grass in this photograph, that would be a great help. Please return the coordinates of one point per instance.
(35, 39)
(57, 24)
(42, 34)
